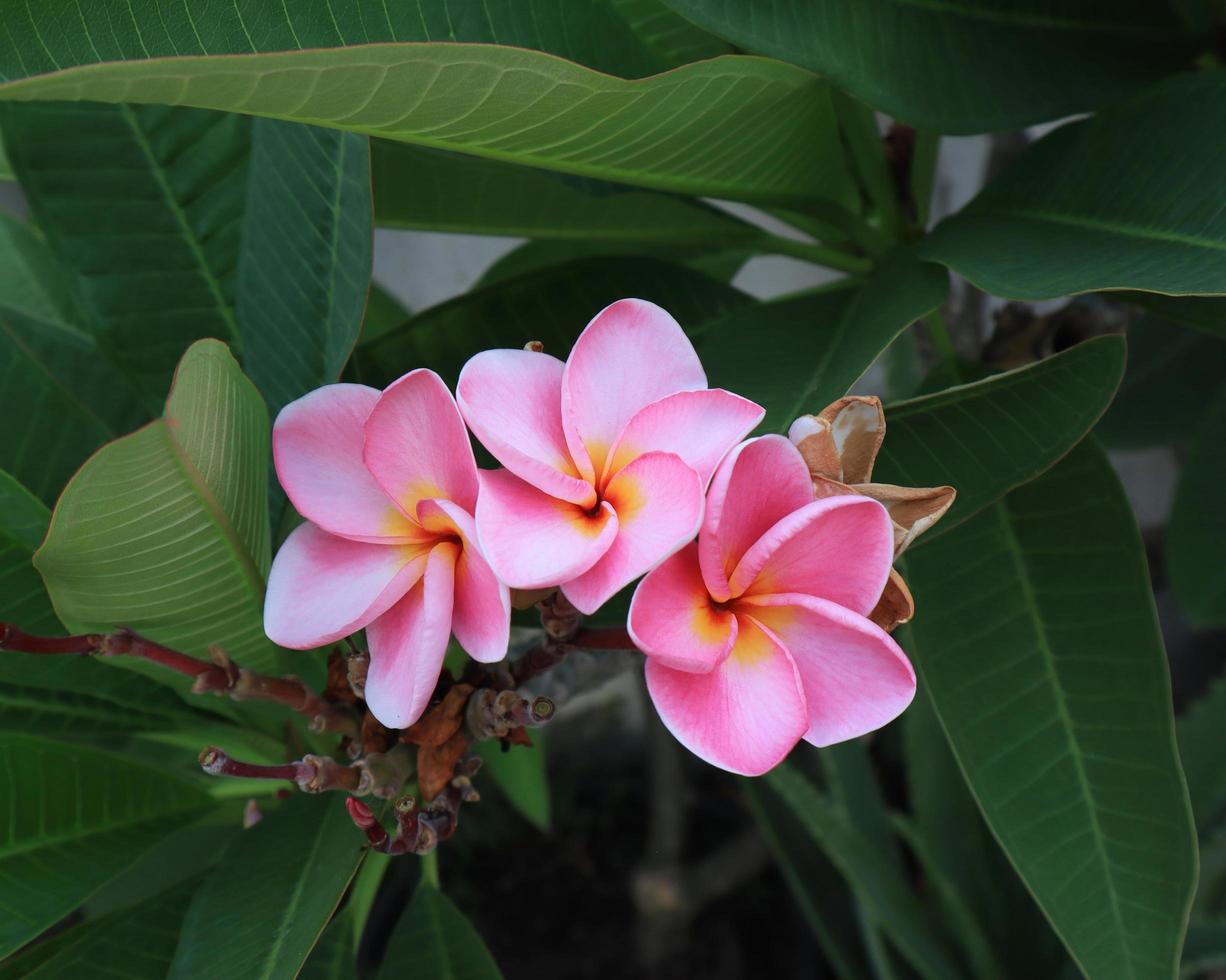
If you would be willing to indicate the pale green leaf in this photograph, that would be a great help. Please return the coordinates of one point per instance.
(272, 894)
(75, 818)
(166, 530)
(766, 133)
(1064, 732)
(1130, 199)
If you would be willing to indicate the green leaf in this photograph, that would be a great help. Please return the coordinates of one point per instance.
(520, 773)
(1202, 733)
(1064, 732)
(552, 306)
(76, 817)
(1172, 374)
(139, 940)
(876, 882)
(51, 366)
(384, 312)
(6, 168)
(1198, 522)
(416, 187)
(75, 698)
(986, 438)
(56, 34)
(1207, 314)
(962, 68)
(536, 256)
(272, 894)
(673, 39)
(148, 221)
(1130, 199)
(1205, 949)
(523, 107)
(823, 897)
(433, 939)
(305, 259)
(333, 956)
(23, 522)
(166, 530)
(796, 355)
(363, 892)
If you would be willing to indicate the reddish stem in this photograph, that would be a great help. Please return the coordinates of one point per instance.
(603, 638)
(216, 763)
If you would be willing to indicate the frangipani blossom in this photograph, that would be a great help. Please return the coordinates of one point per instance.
(606, 456)
(388, 484)
(757, 634)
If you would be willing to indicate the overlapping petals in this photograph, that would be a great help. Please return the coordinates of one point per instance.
(388, 485)
(756, 636)
(606, 456)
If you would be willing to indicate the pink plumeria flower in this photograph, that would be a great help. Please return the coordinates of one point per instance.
(607, 456)
(756, 634)
(388, 483)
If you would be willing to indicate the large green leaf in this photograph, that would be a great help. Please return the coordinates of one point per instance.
(766, 132)
(877, 883)
(51, 366)
(333, 956)
(56, 34)
(1198, 520)
(1064, 731)
(148, 221)
(433, 939)
(305, 257)
(1204, 313)
(962, 67)
(272, 894)
(416, 187)
(1130, 199)
(1172, 374)
(796, 355)
(551, 306)
(140, 941)
(166, 530)
(75, 818)
(23, 522)
(77, 698)
(988, 437)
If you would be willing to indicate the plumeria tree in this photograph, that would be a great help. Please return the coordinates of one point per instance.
(605, 619)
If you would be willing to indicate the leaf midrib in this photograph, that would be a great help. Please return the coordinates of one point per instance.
(1030, 602)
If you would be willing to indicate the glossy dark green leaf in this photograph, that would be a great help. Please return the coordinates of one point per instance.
(75, 818)
(521, 106)
(56, 34)
(1172, 376)
(988, 437)
(1204, 313)
(166, 530)
(520, 774)
(272, 894)
(51, 366)
(963, 68)
(333, 956)
(796, 355)
(1064, 731)
(535, 256)
(673, 39)
(1198, 521)
(148, 221)
(1202, 733)
(23, 522)
(551, 306)
(874, 879)
(305, 258)
(140, 941)
(416, 187)
(1130, 199)
(433, 939)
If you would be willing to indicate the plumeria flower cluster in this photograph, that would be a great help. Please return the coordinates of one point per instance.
(768, 587)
